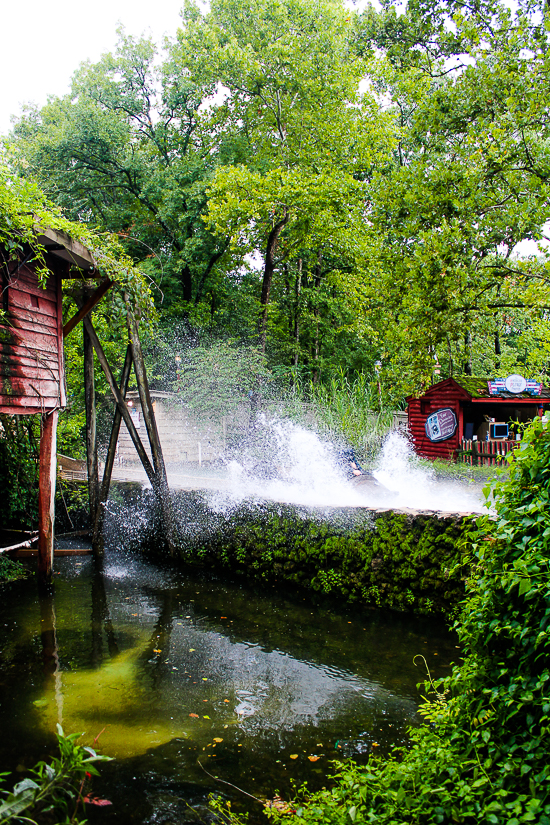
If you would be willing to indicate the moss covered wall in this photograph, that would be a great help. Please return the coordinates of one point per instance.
(403, 561)
(395, 560)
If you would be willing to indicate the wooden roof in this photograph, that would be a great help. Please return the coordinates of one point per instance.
(62, 246)
(473, 389)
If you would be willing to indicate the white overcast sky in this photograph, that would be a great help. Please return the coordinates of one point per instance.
(44, 42)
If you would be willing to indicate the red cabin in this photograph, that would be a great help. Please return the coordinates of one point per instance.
(456, 413)
(31, 339)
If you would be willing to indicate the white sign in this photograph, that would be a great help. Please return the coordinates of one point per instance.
(515, 383)
(441, 425)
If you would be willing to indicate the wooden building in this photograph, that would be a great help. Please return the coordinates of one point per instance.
(31, 338)
(184, 438)
(31, 354)
(33, 377)
(456, 412)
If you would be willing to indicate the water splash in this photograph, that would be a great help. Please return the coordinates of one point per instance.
(288, 463)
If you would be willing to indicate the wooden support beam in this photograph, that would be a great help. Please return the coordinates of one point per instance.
(121, 403)
(91, 434)
(46, 496)
(87, 307)
(161, 480)
(110, 460)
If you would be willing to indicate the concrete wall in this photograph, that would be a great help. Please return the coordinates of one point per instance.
(185, 439)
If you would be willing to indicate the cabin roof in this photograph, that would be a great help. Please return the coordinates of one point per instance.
(470, 387)
(61, 245)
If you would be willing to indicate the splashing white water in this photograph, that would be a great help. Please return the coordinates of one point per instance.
(291, 464)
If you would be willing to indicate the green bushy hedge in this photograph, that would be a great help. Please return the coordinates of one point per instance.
(484, 755)
(385, 559)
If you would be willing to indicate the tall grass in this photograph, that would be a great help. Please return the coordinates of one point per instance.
(350, 412)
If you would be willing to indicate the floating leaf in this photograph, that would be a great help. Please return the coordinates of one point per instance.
(375, 745)
(194, 715)
(294, 756)
(217, 739)
(226, 700)
(158, 650)
(206, 717)
(313, 758)
(192, 650)
(279, 805)
(95, 800)
(205, 679)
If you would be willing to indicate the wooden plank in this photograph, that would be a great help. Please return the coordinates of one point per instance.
(29, 340)
(46, 496)
(38, 371)
(92, 301)
(161, 480)
(34, 392)
(26, 359)
(46, 315)
(21, 326)
(121, 403)
(91, 430)
(110, 460)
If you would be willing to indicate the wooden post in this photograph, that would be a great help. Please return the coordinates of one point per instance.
(160, 484)
(110, 460)
(121, 403)
(46, 496)
(91, 437)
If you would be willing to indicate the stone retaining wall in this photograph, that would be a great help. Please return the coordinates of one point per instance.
(402, 559)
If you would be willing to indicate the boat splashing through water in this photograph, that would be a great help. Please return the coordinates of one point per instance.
(288, 463)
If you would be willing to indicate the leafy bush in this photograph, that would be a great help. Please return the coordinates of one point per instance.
(54, 792)
(484, 755)
(10, 570)
(19, 438)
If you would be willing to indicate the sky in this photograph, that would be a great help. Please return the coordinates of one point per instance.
(43, 43)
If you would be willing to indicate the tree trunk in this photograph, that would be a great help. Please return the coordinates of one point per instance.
(297, 291)
(316, 283)
(468, 351)
(269, 268)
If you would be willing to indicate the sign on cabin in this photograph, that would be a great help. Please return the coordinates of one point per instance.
(453, 414)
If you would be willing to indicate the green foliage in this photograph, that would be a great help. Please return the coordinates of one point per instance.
(389, 560)
(19, 439)
(351, 411)
(214, 380)
(483, 755)
(256, 176)
(54, 789)
(24, 208)
(10, 570)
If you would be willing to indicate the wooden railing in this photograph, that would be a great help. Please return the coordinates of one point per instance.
(485, 453)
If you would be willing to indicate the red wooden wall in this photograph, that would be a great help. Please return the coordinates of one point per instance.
(32, 378)
(446, 394)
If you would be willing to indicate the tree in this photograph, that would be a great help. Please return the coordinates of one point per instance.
(292, 99)
(469, 180)
(126, 150)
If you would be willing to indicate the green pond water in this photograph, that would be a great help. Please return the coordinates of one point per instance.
(165, 671)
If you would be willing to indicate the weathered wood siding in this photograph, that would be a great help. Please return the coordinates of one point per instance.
(445, 394)
(31, 345)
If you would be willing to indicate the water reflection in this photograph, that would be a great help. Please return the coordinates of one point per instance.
(159, 668)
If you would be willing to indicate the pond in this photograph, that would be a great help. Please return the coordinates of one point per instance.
(183, 678)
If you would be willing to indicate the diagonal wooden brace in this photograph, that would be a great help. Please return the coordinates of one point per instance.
(121, 403)
(87, 307)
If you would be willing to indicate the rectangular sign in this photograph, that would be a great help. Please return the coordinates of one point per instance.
(441, 425)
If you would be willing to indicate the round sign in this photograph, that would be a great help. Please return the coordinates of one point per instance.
(515, 383)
